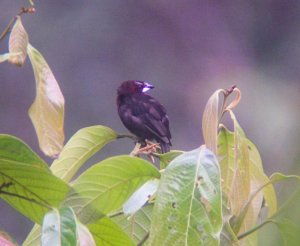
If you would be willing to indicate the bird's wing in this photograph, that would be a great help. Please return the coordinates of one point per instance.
(153, 116)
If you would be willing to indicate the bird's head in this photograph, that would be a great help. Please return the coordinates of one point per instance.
(134, 86)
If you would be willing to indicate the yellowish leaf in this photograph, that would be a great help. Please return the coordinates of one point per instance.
(236, 101)
(242, 176)
(18, 42)
(47, 110)
(7, 56)
(210, 121)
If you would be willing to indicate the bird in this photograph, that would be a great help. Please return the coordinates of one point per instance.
(142, 114)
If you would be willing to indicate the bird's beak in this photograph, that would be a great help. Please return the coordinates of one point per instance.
(147, 87)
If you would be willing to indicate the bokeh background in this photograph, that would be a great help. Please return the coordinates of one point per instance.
(187, 49)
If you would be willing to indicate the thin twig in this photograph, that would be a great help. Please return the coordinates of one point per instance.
(143, 239)
(23, 10)
(127, 136)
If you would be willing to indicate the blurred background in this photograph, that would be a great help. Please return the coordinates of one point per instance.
(187, 49)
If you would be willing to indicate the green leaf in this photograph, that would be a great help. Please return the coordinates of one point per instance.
(136, 226)
(105, 186)
(140, 197)
(83, 144)
(59, 228)
(166, 158)
(47, 110)
(34, 237)
(84, 236)
(188, 208)
(289, 231)
(26, 182)
(14, 149)
(210, 121)
(106, 232)
(18, 42)
(242, 176)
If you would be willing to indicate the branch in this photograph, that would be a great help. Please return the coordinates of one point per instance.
(23, 10)
(127, 136)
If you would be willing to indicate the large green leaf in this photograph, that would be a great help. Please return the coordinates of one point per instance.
(188, 207)
(26, 183)
(107, 233)
(18, 42)
(107, 185)
(166, 158)
(288, 216)
(47, 110)
(83, 144)
(242, 175)
(60, 227)
(137, 226)
(14, 149)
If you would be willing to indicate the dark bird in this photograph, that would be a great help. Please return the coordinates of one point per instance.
(142, 114)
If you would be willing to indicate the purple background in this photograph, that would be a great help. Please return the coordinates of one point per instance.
(187, 49)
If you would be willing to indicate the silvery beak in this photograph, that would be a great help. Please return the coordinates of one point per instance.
(147, 87)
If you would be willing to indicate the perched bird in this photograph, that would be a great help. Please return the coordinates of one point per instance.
(142, 114)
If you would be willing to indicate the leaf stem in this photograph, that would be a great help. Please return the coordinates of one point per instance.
(255, 228)
(143, 239)
(116, 214)
(127, 136)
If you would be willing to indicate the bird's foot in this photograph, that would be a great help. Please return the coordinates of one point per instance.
(148, 150)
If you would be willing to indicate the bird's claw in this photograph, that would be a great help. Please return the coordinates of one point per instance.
(148, 150)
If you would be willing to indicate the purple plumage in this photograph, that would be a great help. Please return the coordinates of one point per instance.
(142, 114)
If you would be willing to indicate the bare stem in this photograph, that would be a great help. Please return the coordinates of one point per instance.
(23, 10)
(143, 240)
(127, 136)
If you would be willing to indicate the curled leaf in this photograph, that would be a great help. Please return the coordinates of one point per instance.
(47, 110)
(18, 42)
(210, 121)
(236, 101)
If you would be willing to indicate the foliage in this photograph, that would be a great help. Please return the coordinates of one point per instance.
(213, 195)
